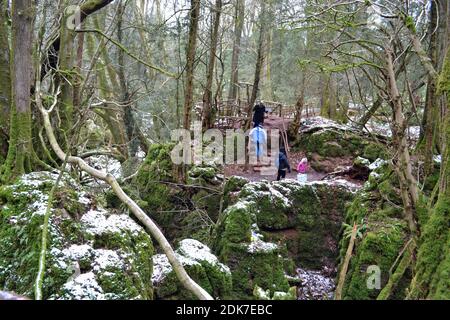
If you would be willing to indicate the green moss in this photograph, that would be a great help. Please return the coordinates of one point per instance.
(378, 208)
(157, 168)
(21, 218)
(201, 266)
(373, 151)
(249, 269)
(379, 247)
(331, 143)
(432, 255)
(409, 23)
(235, 227)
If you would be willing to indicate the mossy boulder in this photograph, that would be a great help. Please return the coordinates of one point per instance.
(91, 254)
(378, 212)
(252, 261)
(272, 224)
(306, 218)
(323, 139)
(172, 204)
(154, 177)
(200, 264)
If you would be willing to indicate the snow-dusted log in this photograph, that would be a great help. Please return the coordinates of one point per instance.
(181, 273)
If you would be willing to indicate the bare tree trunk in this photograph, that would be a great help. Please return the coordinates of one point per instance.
(259, 63)
(430, 117)
(208, 119)
(238, 26)
(5, 82)
(402, 160)
(299, 105)
(370, 112)
(20, 154)
(133, 139)
(267, 90)
(190, 62)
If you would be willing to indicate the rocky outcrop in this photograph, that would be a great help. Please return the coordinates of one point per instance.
(377, 209)
(269, 227)
(202, 266)
(181, 211)
(324, 140)
(92, 254)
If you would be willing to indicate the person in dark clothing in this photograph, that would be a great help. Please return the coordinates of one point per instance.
(283, 164)
(258, 114)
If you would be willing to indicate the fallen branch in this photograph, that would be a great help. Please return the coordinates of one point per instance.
(41, 271)
(395, 278)
(180, 272)
(348, 255)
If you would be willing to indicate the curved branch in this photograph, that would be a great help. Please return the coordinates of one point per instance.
(180, 272)
(122, 47)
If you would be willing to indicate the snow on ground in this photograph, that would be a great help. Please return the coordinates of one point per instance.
(314, 285)
(190, 252)
(83, 287)
(321, 123)
(384, 129)
(96, 223)
(107, 165)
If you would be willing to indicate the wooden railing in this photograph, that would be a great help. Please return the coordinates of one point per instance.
(232, 113)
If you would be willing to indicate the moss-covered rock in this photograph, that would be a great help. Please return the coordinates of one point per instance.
(151, 180)
(200, 264)
(378, 212)
(272, 223)
(324, 139)
(303, 217)
(172, 204)
(91, 253)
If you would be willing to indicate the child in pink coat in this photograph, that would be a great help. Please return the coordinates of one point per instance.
(302, 169)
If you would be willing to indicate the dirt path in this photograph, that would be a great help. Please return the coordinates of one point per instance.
(274, 122)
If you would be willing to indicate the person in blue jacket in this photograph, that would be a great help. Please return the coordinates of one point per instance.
(259, 138)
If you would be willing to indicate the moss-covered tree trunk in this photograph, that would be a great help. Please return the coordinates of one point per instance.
(430, 116)
(5, 81)
(20, 154)
(328, 98)
(67, 73)
(190, 62)
(433, 258)
(133, 139)
(208, 119)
